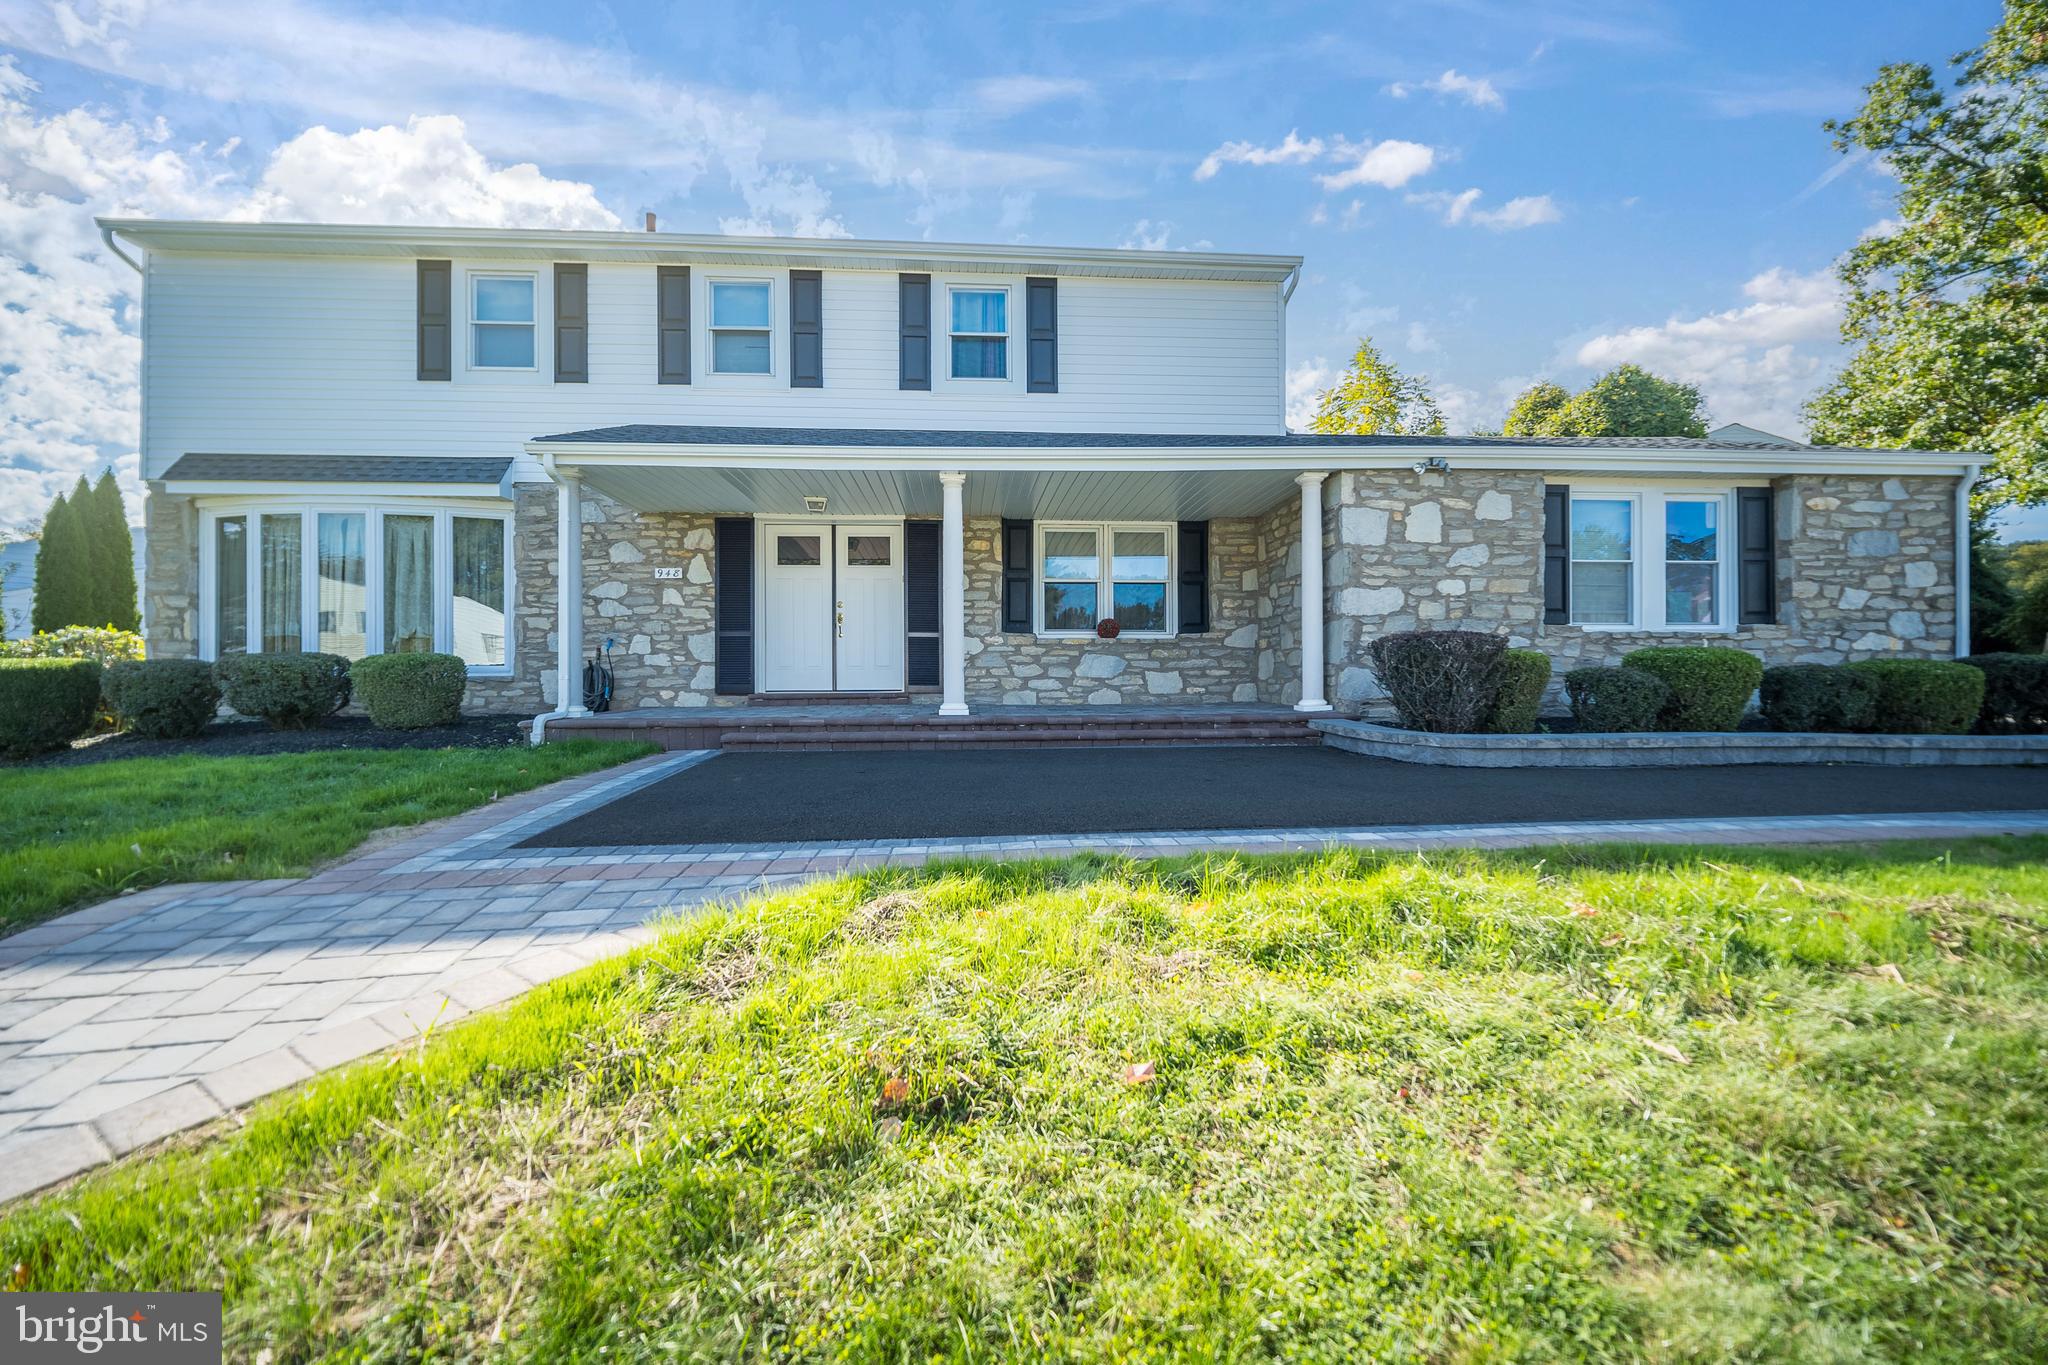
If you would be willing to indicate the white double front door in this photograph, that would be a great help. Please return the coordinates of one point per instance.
(832, 607)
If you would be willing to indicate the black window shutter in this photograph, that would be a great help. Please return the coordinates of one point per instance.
(1194, 578)
(1042, 335)
(914, 331)
(733, 574)
(436, 326)
(1756, 540)
(806, 329)
(1016, 577)
(921, 603)
(572, 324)
(1557, 554)
(672, 323)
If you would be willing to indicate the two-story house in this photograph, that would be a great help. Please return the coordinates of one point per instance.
(921, 472)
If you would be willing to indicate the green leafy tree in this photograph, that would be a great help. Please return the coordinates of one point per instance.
(1948, 307)
(113, 558)
(63, 565)
(1374, 398)
(1537, 410)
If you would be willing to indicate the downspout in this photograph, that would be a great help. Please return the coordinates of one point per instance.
(107, 236)
(538, 731)
(1963, 486)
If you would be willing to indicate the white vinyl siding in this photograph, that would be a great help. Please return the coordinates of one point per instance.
(275, 355)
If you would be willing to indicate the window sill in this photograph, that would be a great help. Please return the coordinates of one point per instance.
(1089, 636)
(1604, 629)
(489, 671)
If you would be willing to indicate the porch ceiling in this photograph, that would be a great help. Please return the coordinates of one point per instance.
(1093, 495)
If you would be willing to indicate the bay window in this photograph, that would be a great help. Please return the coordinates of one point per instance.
(357, 580)
(1650, 559)
(1119, 572)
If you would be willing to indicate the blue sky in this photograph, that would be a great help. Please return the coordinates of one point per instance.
(1496, 191)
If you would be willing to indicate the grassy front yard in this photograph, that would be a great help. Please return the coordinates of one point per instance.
(73, 835)
(1683, 1106)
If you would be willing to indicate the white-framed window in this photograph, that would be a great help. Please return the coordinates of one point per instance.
(357, 579)
(978, 331)
(742, 326)
(1653, 559)
(1090, 572)
(501, 321)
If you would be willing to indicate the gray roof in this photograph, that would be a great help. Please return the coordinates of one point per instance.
(338, 469)
(1100, 440)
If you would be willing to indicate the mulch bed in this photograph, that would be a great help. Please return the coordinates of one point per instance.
(225, 738)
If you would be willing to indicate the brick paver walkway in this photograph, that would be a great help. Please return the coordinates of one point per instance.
(148, 1014)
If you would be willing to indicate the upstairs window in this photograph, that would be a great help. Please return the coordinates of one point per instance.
(981, 333)
(501, 322)
(742, 326)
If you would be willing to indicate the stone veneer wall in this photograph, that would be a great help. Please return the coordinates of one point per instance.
(1219, 666)
(170, 575)
(1866, 569)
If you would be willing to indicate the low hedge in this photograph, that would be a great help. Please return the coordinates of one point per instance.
(1807, 697)
(46, 703)
(1616, 700)
(162, 698)
(1441, 681)
(291, 691)
(2015, 692)
(410, 691)
(1710, 684)
(1523, 674)
(103, 644)
(1922, 696)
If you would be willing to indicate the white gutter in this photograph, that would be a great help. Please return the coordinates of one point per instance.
(1963, 487)
(1293, 278)
(107, 236)
(538, 732)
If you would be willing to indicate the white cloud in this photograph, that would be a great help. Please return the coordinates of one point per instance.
(1390, 164)
(69, 386)
(1756, 363)
(1477, 91)
(1305, 384)
(1420, 339)
(1006, 95)
(1530, 210)
(1291, 150)
(1156, 235)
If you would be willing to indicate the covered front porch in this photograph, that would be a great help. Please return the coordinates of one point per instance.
(936, 585)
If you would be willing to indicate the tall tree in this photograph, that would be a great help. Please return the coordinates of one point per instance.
(1949, 305)
(63, 566)
(113, 554)
(1626, 401)
(1374, 398)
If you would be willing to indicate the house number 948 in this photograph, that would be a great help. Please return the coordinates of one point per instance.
(671, 572)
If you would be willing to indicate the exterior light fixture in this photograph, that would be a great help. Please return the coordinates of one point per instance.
(814, 504)
(1435, 464)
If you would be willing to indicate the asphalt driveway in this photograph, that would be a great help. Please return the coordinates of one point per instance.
(812, 797)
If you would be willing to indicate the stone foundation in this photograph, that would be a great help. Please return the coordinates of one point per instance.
(170, 575)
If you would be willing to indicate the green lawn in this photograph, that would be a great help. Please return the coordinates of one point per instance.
(75, 835)
(1610, 1104)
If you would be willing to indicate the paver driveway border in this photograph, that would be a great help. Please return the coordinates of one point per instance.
(155, 1012)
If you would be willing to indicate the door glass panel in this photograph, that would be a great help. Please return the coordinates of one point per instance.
(1070, 606)
(408, 585)
(344, 607)
(798, 550)
(479, 608)
(231, 585)
(283, 552)
(867, 550)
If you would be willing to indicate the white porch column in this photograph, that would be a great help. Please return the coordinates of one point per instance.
(569, 605)
(952, 597)
(1311, 593)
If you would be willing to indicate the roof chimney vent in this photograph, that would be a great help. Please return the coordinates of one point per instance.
(650, 220)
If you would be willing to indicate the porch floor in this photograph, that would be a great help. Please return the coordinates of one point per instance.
(848, 725)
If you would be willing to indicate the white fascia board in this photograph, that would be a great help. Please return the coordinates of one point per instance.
(688, 248)
(307, 488)
(1109, 458)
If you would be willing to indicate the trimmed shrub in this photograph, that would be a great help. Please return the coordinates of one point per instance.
(1524, 674)
(1442, 681)
(1922, 696)
(291, 691)
(1817, 697)
(1710, 684)
(410, 691)
(162, 698)
(101, 643)
(2015, 692)
(1616, 700)
(46, 703)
